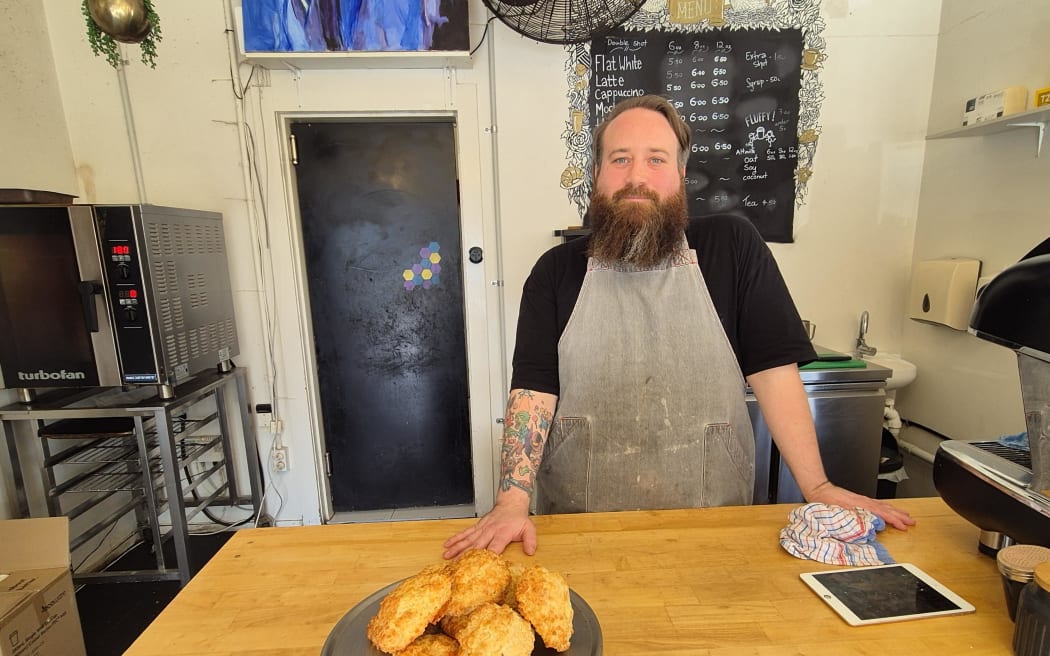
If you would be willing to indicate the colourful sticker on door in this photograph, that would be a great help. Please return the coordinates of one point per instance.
(427, 273)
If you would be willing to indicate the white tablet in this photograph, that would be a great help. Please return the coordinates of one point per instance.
(885, 593)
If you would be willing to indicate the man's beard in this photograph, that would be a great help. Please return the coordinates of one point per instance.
(640, 233)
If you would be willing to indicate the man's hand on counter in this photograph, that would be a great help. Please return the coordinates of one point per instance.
(834, 495)
(507, 522)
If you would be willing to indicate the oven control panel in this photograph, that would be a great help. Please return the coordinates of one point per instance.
(123, 260)
(128, 294)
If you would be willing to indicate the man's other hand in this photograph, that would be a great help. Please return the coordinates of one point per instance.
(507, 522)
(837, 496)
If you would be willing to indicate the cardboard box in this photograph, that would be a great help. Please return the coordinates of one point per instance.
(38, 609)
(996, 104)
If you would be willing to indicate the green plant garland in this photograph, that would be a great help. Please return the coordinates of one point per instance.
(104, 44)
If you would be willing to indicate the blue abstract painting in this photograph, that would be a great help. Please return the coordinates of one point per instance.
(348, 25)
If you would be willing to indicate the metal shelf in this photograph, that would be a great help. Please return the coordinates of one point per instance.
(119, 462)
(110, 449)
(113, 478)
(145, 470)
(1034, 118)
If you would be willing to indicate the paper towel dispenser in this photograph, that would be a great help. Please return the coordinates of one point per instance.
(943, 291)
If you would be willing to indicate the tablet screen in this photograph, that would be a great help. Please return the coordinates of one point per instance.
(886, 593)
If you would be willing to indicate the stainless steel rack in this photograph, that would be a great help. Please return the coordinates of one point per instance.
(143, 463)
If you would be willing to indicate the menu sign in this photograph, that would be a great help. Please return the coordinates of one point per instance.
(738, 91)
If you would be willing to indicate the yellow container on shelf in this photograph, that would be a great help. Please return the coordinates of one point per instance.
(1042, 97)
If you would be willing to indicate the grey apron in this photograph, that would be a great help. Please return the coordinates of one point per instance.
(651, 412)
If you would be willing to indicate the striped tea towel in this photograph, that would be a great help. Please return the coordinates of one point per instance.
(834, 535)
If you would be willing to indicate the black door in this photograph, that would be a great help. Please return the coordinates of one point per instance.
(381, 234)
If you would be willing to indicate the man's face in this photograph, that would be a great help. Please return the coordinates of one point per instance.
(637, 207)
(639, 153)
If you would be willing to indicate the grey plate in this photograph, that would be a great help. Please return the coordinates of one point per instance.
(349, 634)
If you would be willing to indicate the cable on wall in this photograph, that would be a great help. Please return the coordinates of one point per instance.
(484, 33)
(263, 265)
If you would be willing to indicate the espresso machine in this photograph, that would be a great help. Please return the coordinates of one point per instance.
(1005, 491)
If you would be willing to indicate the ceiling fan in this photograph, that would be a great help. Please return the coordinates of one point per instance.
(563, 21)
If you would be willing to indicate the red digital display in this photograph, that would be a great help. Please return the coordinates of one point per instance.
(121, 250)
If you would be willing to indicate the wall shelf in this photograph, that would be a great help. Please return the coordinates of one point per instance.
(1037, 118)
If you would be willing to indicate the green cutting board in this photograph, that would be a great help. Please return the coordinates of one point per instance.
(838, 364)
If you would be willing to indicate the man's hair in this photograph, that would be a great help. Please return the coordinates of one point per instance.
(656, 104)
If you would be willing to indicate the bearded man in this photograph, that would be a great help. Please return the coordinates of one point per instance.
(634, 350)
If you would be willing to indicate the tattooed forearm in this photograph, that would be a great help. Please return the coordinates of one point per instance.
(525, 430)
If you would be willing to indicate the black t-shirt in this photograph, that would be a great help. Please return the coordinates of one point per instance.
(745, 284)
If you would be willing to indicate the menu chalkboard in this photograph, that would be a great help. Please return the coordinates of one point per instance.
(738, 90)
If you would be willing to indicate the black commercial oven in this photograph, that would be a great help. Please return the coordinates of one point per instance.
(108, 295)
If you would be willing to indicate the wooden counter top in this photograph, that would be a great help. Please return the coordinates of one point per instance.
(711, 581)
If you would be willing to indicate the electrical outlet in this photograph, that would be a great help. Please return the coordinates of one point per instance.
(280, 458)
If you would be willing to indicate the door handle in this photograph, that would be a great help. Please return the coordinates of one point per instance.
(88, 290)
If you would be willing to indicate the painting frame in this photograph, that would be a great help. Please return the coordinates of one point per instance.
(305, 28)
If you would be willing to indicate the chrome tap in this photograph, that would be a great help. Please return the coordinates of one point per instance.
(862, 348)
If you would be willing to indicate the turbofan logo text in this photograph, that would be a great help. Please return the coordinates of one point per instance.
(52, 375)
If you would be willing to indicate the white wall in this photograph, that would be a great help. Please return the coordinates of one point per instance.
(33, 136)
(983, 197)
(853, 237)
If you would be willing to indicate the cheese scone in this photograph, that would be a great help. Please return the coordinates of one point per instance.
(431, 644)
(495, 630)
(405, 613)
(543, 599)
(478, 576)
